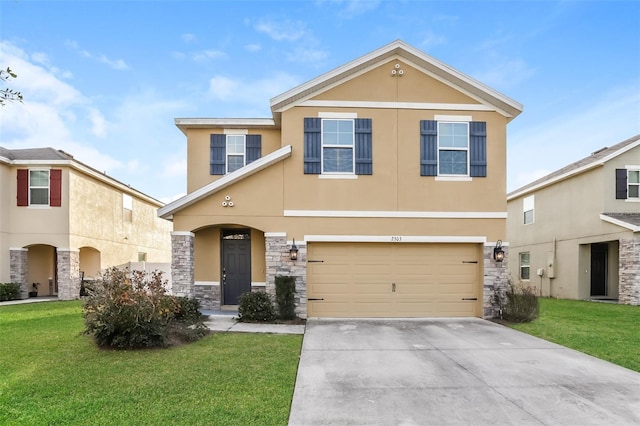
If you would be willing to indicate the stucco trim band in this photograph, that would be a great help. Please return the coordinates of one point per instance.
(394, 239)
(395, 214)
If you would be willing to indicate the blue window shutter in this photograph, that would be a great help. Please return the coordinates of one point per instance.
(364, 148)
(478, 148)
(218, 154)
(428, 148)
(312, 145)
(621, 184)
(254, 147)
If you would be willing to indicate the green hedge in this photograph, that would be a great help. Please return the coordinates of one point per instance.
(9, 291)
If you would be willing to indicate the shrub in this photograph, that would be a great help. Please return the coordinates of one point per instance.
(285, 297)
(256, 306)
(9, 291)
(521, 304)
(127, 310)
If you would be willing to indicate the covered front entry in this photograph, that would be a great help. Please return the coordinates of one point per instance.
(236, 264)
(406, 280)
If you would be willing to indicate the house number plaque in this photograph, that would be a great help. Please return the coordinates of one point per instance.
(396, 239)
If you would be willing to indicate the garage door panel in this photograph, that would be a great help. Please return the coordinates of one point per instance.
(356, 280)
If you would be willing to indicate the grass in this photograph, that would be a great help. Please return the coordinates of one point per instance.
(604, 330)
(51, 374)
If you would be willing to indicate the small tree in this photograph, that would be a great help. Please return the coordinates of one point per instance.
(7, 94)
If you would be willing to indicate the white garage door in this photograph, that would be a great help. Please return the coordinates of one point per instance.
(378, 280)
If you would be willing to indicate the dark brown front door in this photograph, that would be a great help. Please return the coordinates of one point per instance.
(236, 265)
(599, 269)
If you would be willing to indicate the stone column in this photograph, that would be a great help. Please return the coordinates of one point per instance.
(279, 262)
(68, 274)
(629, 272)
(496, 280)
(18, 261)
(182, 264)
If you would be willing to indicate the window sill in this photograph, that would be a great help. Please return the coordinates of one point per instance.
(632, 200)
(38, 207)
(454, 178)
(337, 176)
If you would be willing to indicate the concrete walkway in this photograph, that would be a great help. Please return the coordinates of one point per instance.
(453, 372)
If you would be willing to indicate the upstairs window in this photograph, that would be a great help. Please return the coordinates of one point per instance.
(453, 149)
(231, 152)
(127, 207)
(633, 180)
(235, 152)
(628, 183)
(39, 187)
(337, 146)
(528, 208)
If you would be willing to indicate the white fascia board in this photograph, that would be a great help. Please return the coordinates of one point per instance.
(262, 163)
(4, 160)
(203, 123)
(394, 105)
(621, 223)
(395, 239)
(395, 214)
(570, 173)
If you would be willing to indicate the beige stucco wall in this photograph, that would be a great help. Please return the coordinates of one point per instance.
(98, 220)
(567, 220)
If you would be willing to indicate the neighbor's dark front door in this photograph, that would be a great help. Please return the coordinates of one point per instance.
(236, 265)
(599, 269)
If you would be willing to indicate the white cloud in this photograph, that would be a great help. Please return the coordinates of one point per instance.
(505, 72)
(286, 29)
(431, 40)
(350, 8)
(189, 38)
(302, 55)
(253, 47)
(116, 64)
(252, 92)
(98, 123)
(176, 169)
(206, 55)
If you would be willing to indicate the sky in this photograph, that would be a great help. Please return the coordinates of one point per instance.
(104, 80)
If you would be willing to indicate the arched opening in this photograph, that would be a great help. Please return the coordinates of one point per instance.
(41, 270)
(89, 262)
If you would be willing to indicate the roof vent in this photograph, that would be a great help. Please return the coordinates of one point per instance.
(599, 151)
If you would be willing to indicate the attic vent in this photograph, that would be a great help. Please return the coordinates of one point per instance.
(599, 151)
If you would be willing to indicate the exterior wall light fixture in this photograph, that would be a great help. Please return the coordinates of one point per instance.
(498, 253)
(293, 251)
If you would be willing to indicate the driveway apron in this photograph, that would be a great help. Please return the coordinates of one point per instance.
(453, 372)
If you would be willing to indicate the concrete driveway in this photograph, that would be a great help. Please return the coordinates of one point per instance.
(453, 372)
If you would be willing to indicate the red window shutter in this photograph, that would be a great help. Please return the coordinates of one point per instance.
(55, 187)
(23, 187)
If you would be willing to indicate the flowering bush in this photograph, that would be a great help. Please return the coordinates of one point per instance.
(130, 309)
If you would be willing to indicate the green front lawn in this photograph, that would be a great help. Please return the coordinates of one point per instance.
(52, 374)
(604, 330)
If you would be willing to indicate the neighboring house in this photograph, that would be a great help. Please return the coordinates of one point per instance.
(388, 175)
(575, 233)
(61, 220)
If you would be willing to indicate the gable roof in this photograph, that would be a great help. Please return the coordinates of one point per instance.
(56, 157)
(626, 220)
(397, 49)
(167, 211)
(596, 159)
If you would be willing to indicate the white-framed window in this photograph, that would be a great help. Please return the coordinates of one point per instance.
(127, 207)
(338, 146)
(525, 266)
(528, 209)
(633, 184)
(39, 187)
(236, 152)
(453, 148)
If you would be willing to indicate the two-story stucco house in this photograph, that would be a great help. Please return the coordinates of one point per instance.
(61, 220)
(575, 233)
(387, 174)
